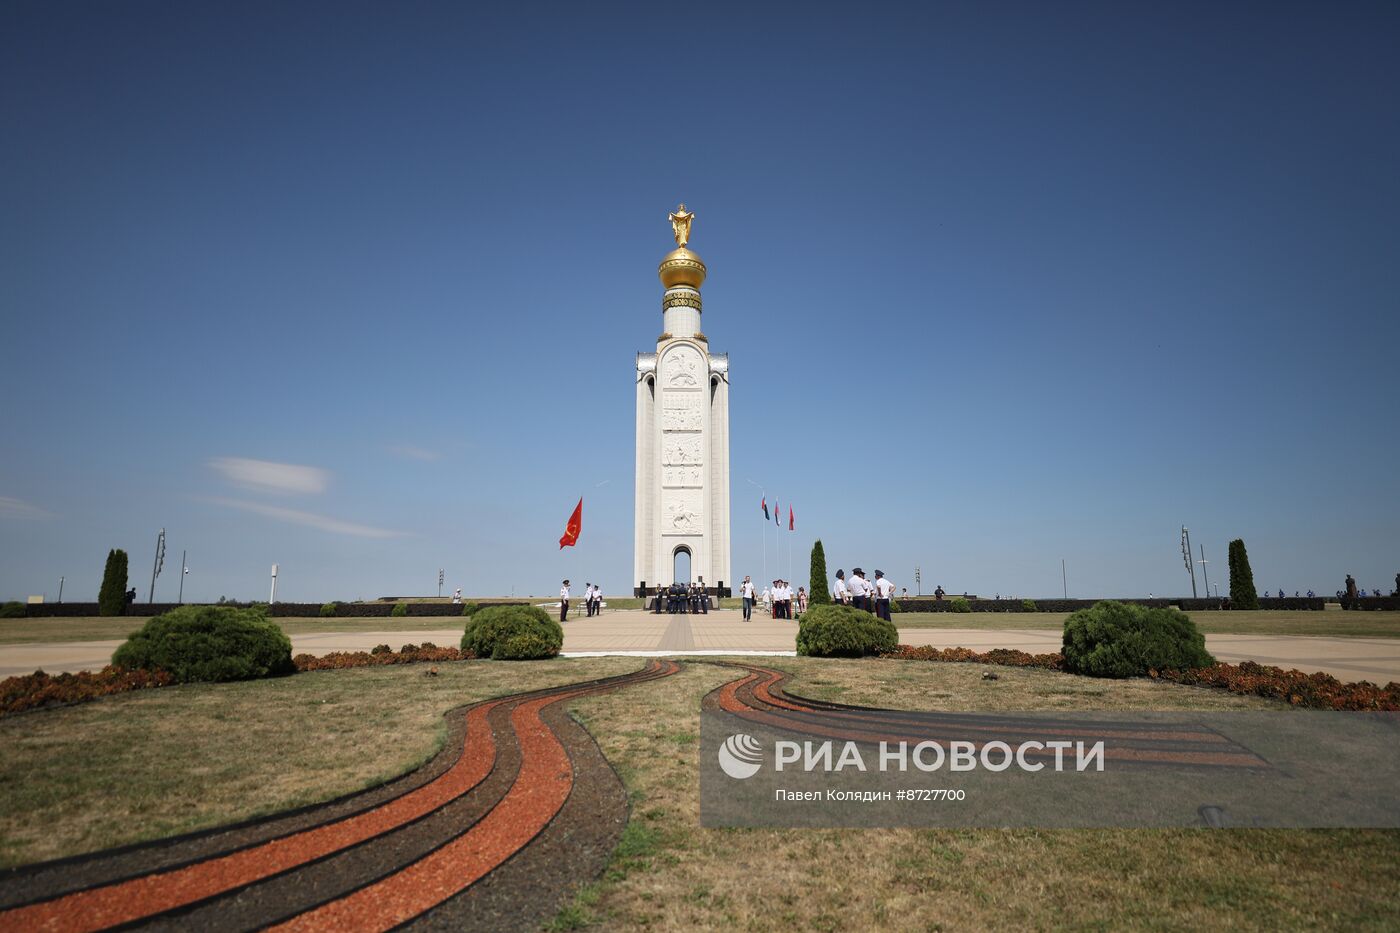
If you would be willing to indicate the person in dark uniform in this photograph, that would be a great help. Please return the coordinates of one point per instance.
(659, 597)
(704, 597)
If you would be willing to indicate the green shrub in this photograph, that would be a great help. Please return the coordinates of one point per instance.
(329, 609)
(958, 604)
(111, 599)
(512, 633)
(471, 609)
(208, 643)
(1113, 639)
(818, 589)
(1242, 592)
(381, 649)
(1028, 605)
(895, 606)
(13, 610)
(399, 610)
(843, 632)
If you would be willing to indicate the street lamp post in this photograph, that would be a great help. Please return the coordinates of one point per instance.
(1203, 569)
(273, 597)
(919, 580)
(439, 583)
(1186, 556)
(60, 589)
(158, 564)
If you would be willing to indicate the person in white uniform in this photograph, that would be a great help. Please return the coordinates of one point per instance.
(564, 602)
(841, 593)
(884, 589)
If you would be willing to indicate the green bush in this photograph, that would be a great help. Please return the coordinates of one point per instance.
(471, 609)
(958, 604)
(895, 606)
(399, 610)
(1028, 605)
(1113, 639)
(381, 649)
(208, 643)
(12, 610)
(1242, 592)
(111, 599)
(818, 589)
(329, 609)
(512, 633)
(843, 632)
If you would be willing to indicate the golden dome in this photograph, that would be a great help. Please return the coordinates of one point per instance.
(681, 267)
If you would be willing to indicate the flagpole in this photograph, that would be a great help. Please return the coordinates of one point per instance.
(764, 493)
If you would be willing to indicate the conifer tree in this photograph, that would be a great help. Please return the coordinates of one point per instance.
(1242, 593)
(818, 593)
(111, 599)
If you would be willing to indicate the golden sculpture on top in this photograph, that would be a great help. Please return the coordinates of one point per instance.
(680, 224)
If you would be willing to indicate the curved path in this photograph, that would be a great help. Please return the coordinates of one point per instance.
(489, 833)
(760, 698)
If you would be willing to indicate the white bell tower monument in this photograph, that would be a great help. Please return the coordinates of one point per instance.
(682, 515)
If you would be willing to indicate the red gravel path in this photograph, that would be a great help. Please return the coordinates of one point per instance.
(540, 789)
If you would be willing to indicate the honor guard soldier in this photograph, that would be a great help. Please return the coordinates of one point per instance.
(564, 602)
(884, 589)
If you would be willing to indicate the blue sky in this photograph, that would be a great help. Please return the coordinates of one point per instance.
(1001, 284)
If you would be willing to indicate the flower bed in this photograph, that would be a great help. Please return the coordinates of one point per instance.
(1312, 691)
(1007, 657)
(1308, 691)
(31, 691)
(408, 654)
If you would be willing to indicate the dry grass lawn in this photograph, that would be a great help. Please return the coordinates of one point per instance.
(154, 763)
(670, 874)
(144, 765)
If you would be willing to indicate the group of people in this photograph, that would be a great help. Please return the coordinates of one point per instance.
(682, 598)
(778, 598)
(862, 593)
(592, 600)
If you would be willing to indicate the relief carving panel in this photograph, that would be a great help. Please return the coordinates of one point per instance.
(682, 369)
(680, 450)
(681, 512)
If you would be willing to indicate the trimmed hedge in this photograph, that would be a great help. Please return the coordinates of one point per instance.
(958, 604)
(14, 609)
(1114, 639)
(208, 644)
(1391, 603)
(843, 632)
(512, 633)
(275, 611)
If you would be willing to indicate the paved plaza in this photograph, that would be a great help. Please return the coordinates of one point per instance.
(726, 632)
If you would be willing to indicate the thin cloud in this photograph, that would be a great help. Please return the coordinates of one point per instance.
(18, 508)
(309, 519)
(267, 476)
(409, 452)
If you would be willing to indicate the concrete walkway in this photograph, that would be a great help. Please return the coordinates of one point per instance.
(725, 631)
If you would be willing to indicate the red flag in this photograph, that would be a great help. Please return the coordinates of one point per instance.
(792, 525)
(765, 508)
(575, 525)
